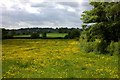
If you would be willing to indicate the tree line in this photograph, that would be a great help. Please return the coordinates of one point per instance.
(35, 32)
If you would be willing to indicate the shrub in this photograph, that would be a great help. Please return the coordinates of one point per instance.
(114, 48)
(100, 47)
(34, 35)
(44, 34)
(77, 38)
(86, 46)
(74, 33)
(66, 37)
(82, 43)
(89, 47)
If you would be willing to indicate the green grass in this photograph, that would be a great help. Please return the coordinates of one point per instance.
(56, 34)
(24, 35)
(54, 58)
(21, 36)
(48, 35)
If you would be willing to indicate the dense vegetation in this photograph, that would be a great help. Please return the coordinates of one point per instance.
(75, 33)
(34, 35)
(104, 35)
(44, 34)
(5, 34)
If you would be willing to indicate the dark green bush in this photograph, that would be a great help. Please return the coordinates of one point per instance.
(44, 34)
(34, 35)
(66, 37)
(100, 47)
(95, 46)
(114, 48)
(74, 33)
(77, 38)
(89, 47)
(86, 46)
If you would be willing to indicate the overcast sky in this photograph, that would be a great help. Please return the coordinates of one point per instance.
(40, 13)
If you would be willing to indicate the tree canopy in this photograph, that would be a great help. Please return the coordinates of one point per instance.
(107, 19)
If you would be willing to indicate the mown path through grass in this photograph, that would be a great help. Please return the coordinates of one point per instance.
(53, 58)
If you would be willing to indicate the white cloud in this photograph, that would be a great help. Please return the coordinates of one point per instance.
(71, 9)
(27, 13)
(6, 3)
(31, 9)
(36, 1)
(66, 0)
(17, 5)
(60, 6)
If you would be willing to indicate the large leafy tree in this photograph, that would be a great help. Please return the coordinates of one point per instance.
(107, 19)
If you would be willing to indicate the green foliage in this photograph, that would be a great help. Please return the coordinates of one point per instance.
(66, 37)
(34, 35)
(89, 47)
(63, 30)
(44, 34)
(73, 34)
(101, 47)
(93, 47)
(84, 26)
(97, 46)
(13, 32)
(86, 46)
(107, 28)
(5, 34)
(107, 19)
(114, 48)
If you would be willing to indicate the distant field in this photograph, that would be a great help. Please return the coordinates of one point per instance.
(56, 34)
(54, 58)
(48, 35)
(22, 36)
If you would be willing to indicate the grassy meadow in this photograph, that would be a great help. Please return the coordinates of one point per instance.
(48, 35)
(56, 34)
(22, 36)
(54, 58)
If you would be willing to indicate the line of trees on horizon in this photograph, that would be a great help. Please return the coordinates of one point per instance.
(34, 32)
